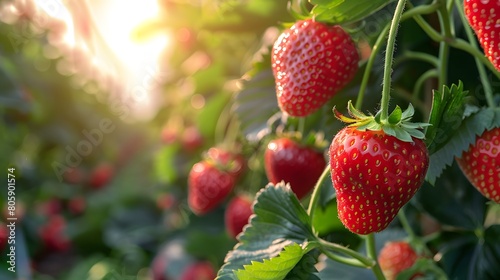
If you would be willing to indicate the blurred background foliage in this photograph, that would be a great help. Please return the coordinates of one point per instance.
(102, 159)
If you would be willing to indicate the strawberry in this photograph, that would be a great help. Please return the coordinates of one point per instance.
(4, 235)
(53, 234)
(208, 186)
(374, 175)
(73, 176)
(165, 201)
(237, 213)
(199, 271)
(377, 165)
(77, 205)
(50, 207)
(101, 176)
(480, 164)
(395, 257)
(191, 139)
(300, 166)
(235, 163)
(484, 18)
(311, 62)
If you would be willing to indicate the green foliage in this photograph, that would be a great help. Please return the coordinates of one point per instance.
(279, 221)
(453, 201)
(126, 227)
(459, 138)
(446, 115)
(256, 102)
(275, 268)
(344, 11)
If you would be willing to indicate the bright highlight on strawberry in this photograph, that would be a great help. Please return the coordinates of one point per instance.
(311, 62)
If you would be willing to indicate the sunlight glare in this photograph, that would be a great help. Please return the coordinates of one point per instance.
(119, 19)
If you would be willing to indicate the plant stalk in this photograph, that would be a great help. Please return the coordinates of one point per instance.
(366, 261)
(389, 55)
(444, 48)
(372, 253)
(420, 10)
(313, 203)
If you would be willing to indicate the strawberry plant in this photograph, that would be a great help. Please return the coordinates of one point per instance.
(286, 139)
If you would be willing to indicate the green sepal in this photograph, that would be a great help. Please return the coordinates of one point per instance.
(398, 123)
(395, 116)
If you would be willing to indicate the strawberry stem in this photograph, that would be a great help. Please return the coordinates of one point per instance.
(372, 253)
(420, 10)
(444, 48)
(389, 54)
(488, 91)
(364, 260)
(411, 234)
(313, 203)
(456, 43)
(432, 73)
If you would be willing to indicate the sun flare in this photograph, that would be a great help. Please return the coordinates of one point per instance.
(105, 30)
(118, 20)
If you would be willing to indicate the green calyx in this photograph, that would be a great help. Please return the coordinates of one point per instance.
(313, 140)
(397, 124)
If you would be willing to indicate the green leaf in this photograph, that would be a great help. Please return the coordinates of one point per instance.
(326, 220)
(453, 201)
(305, 269)
(256, 103)
(464, 136)
(344, 11)
(447, 112)
(279, 220)
(165, 165)
(274, 268)
(488, 258)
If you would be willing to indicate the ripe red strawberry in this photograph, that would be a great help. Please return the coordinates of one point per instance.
(199, 271)
(480, 164)
(191, 139)
(165, 201)
(77, 205)
(484, 18)
(101, 176)
(53, 235)
(300, 166)
(208, 186)
(395, 257)
(73, 176)
(4, 235)
(237, 213)
(311, 62)
(374, 175)
(234, 163)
